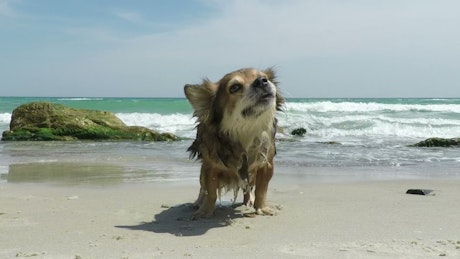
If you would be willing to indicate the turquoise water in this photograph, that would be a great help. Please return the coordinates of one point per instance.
(371, 139)
(158, 105)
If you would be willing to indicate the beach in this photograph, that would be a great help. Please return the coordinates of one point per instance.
(108, 110)
(374, 219)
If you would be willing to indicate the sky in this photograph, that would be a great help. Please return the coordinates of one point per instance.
(152, 48)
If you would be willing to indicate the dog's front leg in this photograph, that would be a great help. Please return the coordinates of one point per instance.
(211, 184)
(248, 198)
(202, 194)
(263, 177)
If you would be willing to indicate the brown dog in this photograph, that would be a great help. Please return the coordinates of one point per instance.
(235, 136)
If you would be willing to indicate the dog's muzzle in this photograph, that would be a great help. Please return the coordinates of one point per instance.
(262, 94)
(261, 83)
(263, 89)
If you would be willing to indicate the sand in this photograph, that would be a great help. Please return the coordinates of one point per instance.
(322, 220)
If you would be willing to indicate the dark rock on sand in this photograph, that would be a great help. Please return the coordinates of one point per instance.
(438, 142)
(51, 121)
(419, 191)
(299, 132)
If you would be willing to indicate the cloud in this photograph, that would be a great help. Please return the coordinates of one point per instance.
(259, 32)
(6, 10)
(130, 16)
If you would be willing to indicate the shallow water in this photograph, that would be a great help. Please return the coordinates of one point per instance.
(85, 162)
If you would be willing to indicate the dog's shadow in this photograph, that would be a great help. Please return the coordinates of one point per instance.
(177, 220)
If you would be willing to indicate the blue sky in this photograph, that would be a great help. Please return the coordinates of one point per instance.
(328, 48)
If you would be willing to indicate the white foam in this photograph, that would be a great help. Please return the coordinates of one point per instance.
(81, 99)
(329, 120)
(328, 106)
(5, 118)
(179, 124)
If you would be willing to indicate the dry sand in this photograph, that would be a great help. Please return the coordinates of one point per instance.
(343, 220)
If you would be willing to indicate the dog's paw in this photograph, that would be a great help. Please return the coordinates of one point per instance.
(266, 211)
(249, 199)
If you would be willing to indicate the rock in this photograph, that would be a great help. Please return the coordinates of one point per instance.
(52, 121)
(438, 142)
(419, 191)
(330, 142)
(299, 132)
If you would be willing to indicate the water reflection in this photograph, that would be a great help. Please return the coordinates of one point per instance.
(65, 173)
(95, 173)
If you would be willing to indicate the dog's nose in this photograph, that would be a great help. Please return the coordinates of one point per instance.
(260, 82)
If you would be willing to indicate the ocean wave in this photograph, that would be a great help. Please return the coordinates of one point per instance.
(179, 124)
(389, 130)
(328, 106)
(5, 118)
(378, 126)
(362, 120)
(81, 99)
(327, 120)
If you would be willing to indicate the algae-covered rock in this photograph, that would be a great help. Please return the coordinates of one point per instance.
(51, 121)
(438, 142)
(298, 132)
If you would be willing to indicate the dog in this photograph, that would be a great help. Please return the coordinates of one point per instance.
(235, 138)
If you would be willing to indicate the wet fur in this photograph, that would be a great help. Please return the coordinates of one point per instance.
(235, 137)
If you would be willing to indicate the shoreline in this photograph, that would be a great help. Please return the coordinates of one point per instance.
(70, 173)
(372, 219)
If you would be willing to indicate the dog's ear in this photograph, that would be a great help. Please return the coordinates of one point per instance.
(270, 72)
(201, 97)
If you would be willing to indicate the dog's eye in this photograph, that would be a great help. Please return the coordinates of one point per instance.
(235, 88)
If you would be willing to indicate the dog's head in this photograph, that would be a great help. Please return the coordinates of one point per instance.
(240, 95)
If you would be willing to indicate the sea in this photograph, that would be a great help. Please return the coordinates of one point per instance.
(352, 139)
